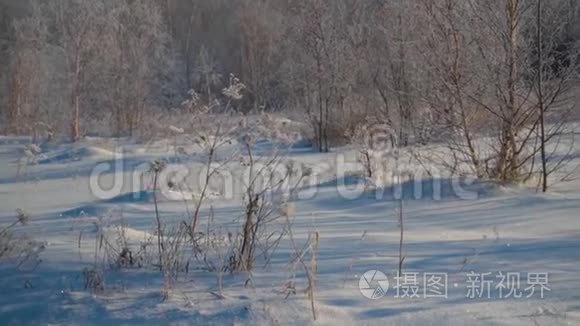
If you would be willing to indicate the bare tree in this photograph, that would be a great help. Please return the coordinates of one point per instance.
(139, 56)
(25, 74)
(556, 68)
(507, 98)
(451, 81)
(323, 66)
(77, 30)
(260, 58)
(541, 108)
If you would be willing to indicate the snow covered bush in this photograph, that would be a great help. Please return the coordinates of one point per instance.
(20, 250)
(235, 89)
(375, 144)
(267, 188)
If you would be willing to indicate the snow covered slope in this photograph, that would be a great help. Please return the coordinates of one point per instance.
(497, 231)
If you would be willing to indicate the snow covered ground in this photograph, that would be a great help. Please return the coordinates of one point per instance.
(498, 231)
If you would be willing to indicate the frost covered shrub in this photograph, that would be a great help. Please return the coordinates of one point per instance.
(337, 129)
(267, 187)
(30, 155)
(375, 144)
(19, 249)
(94, 280)
(115, 246)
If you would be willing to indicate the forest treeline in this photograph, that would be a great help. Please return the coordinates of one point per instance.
(429, 70)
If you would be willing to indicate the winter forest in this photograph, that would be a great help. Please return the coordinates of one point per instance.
(251, 162)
